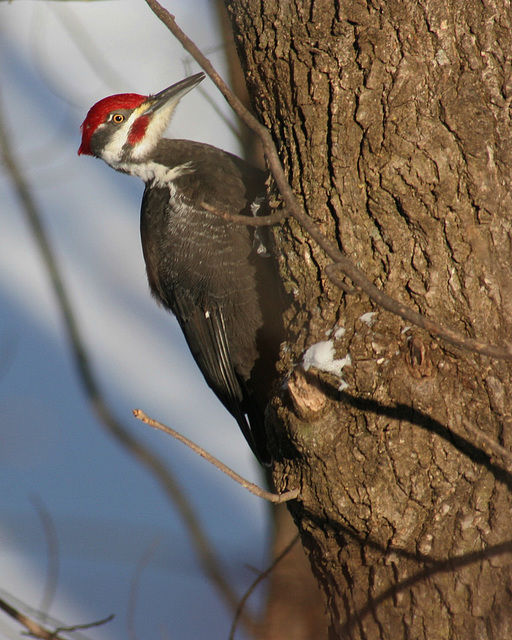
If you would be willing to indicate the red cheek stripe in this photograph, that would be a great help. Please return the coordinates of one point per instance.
(138, 130)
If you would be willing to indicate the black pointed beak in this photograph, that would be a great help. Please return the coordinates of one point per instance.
(173, 93)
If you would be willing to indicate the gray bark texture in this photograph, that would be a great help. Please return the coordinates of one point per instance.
(392, 119)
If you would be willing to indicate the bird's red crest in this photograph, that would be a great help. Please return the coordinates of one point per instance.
(98, 113)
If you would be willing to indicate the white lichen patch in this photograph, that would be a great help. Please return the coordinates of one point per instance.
(339, 333)
(368, 318)
(322, 356)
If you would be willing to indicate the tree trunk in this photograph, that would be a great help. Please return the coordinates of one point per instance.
(393, 122)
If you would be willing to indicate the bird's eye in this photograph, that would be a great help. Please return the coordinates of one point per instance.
(118, 118)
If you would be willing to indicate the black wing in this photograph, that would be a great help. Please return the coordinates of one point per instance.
(205, 333)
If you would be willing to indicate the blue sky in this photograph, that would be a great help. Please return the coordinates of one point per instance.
(57, 60)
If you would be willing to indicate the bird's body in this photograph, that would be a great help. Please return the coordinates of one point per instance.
(203, 268)
(206, 271)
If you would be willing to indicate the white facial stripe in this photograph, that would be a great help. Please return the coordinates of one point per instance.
(158, 174)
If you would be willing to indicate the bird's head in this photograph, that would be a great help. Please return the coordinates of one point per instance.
(125, 128)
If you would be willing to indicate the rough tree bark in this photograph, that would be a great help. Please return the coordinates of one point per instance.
(294, 607)
(393, 122)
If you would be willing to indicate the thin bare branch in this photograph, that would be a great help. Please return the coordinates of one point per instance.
(390, 304)
(87, 625)
(134, 588)
(88, 46)
(342, 262)
(263, 221)
(36, 630)
(33, 627)
(250, 144)
(256, 582)
(156, 465)
(52, 549)
(276, 498)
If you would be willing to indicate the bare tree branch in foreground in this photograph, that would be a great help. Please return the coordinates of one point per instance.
(36, 630)
(276, 498)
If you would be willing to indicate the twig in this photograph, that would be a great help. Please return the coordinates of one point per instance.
(134, 587)
(99, 63)
(211, 102)
(260, 578)
(397, 308)
(52, 546)
(342, 262)
(36, 630)
(156, 465)
(276, 498)
(263, 221)
(87, 625)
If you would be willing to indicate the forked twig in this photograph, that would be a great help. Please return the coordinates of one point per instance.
(36, 630)
(276, 498)
(342, 262)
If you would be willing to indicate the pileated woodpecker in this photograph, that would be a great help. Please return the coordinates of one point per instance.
(214, 275)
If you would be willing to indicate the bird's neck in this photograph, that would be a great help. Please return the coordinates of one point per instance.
(155, 173)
